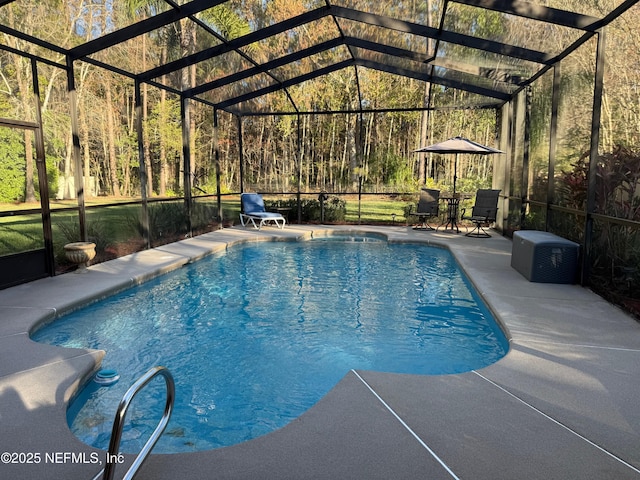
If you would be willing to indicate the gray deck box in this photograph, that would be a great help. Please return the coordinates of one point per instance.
(544, 257)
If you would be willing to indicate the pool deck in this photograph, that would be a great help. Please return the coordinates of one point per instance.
(564, 403)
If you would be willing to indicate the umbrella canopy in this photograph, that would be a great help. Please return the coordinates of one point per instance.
(459, 145)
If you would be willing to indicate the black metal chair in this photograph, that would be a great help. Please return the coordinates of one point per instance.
(428, 206)
(483, 213)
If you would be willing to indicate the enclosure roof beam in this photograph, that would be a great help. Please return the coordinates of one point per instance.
(144, 26)
(444, 35)
(31, 56)
(236, 43)
(386, 49)
(342, 12)
(265, 67)
(369, 64)
(332, 44)
(503, 79)
(484, 106)
(423, 58)
(30, 38)
(349, 41)
(284, 84)
(535, 12)
(446, 82)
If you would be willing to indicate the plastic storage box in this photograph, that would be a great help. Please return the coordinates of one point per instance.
(544, 257)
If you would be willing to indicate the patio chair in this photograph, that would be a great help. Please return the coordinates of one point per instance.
(428, 206)
(252, 211)
(483, 213)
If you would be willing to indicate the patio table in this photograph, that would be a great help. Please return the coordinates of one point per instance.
(451, 215)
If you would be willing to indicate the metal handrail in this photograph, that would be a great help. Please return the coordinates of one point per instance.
(118, 423)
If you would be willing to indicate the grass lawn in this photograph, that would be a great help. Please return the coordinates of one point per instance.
(116, 224)
(375, 211)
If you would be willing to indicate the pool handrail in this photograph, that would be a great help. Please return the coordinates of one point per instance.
(118, 423)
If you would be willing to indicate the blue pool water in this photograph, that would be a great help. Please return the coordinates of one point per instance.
(257, 335)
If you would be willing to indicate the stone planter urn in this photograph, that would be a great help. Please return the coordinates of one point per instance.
(80, 253)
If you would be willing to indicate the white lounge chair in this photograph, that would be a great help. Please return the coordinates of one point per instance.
(253, 211)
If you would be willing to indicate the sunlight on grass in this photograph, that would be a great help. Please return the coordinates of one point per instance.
(118, 223)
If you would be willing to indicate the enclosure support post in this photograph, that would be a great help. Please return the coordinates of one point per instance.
(553, 143)
(186, 162)
(77, 160)
(499, 164)
(593, 156)
(216, 159)
(510, 127)
(240, 155)
(524, 193)
(299, 151)
(360, 154)
(143, 168)
(41, 167)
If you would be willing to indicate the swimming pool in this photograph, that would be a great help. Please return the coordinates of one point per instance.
(255, 336)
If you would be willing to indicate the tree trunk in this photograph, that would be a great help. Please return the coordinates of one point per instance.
(26, 95)
(86, 153)
(146, 142)
(164, 167)
(111, 139)
(332, 149)
(162, 181)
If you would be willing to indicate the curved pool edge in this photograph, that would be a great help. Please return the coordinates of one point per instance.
(38, 380)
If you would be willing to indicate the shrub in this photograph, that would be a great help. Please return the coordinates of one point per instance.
(70, 232)
(203, 214)
(615, 249)
(166, 220)
(335, 209)
(12, 167)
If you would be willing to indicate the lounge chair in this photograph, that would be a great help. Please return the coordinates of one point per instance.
(428, 206)
(253, 211)
(483, 213)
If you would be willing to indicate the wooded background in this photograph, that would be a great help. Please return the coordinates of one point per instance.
(331, 156)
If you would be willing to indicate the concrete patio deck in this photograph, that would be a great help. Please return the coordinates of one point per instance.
(562, 404)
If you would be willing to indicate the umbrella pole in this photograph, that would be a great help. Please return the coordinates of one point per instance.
(455, 174)
(453, 202)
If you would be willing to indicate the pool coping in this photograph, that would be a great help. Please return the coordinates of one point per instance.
(561, 404)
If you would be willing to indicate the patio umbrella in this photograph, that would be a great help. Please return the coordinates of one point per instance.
(458, 145)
